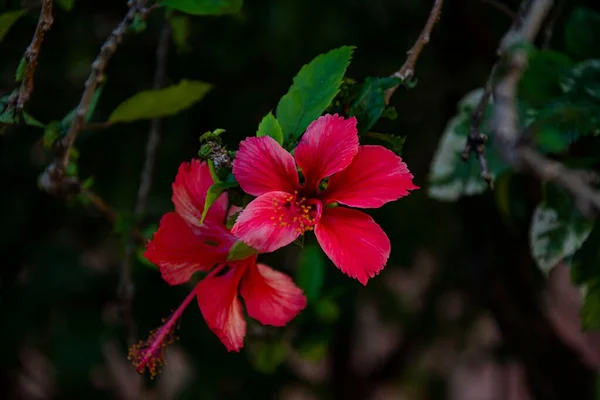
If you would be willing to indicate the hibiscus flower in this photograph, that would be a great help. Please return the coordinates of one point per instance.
(335, 170)
(182, 246)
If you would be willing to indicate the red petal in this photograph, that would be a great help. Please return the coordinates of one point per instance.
(375, 176)
(258, 225)
(328, 146)
(221, 308)
(354, 242)
(189, 193)
(179, 252)
(262, 165)
(271, 297)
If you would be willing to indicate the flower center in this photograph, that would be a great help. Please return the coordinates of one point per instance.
(297, 212)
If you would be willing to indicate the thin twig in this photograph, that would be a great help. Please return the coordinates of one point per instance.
(32, 53)
(506, 121)
(549, 28)
(56, 171)
(501, 7)
(126, 287)
(408, 68)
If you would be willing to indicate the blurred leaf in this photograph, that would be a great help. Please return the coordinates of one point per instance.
(240, 251)
(68, 119)
(582, 33)
(313, 89)
(369, 105)
(328, 310)
(590, 312)
(160, 103)
(214, 191)
(66, 5)
(585, 262)
(180, 28)
(51, 133)
(138, 25)
(269, 356)
(583, 80)
(541, 80)
(205, 7)
(7, 20)
(311, 271)
(269, 126)
(450, 176)
(557, 230)
(394, 143)
(314, 349)
(21, 70)
(29, 120)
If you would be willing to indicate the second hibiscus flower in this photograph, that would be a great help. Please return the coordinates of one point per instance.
(286, 207)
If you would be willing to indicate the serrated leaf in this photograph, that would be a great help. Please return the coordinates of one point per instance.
(557, 230)
(214, 191)
(66, 5)
(180, 28)
(394, 143)
(8, 19)
(312, 90)
(160, 103)
(240, 251)
(541, 80)
(269, 126)
(582, 33)
(450, 177)
(205, 7)
(370, 103)
(310, 274)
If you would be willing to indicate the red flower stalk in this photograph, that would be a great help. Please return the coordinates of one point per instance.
(359, 176)
(182, 246)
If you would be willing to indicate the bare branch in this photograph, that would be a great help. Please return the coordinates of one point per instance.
(408, 68)
(32, 53)
(56, 171)
(126, 287)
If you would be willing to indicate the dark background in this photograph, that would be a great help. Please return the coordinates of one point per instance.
(460, 311)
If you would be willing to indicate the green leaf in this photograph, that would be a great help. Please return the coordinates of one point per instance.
(180, 28)
(312, 90)
(66, 121)
(328, 311)
(160, 103)
(214, 191)
(558, 229)
(269, 356)
(583, 80)
(450, 177)
(29, 120)
(585, 264)
(7, 20)
(51, 133)
(590, 312)
(394, 143)
(269, 126)
(138, 25)
(582, 33)
(66, 5)
(311, 272)
(370, 103)
(205, 7)
(21, 70)
(240, 251)
(541, 80)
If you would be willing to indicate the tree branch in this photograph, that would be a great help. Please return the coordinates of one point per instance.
(55, 173)
(126, 287)
(32, 53)
(408, 68)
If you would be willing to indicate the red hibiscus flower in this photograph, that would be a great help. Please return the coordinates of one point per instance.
(182, 246)
(359, 176)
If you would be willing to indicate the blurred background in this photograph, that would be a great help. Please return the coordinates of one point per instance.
(460, 312)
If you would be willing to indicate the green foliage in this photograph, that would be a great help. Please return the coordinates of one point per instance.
(21, 68)
(313, 89)
(8, 19)
(558, 229)
(66, 5)
(370, 103)
(205, 7)
(394, 143)
(583, 80)
(239, 251)
(180, 31)
(450, 177)
(269, 355)
(214, 191)
(311, 272)
(160, 103)
(582, 33)
(541, 80)
(269, 126)
(590, 312)
(585, 264)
